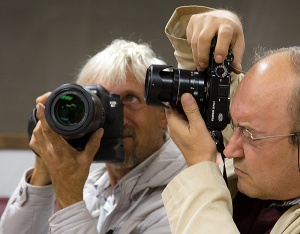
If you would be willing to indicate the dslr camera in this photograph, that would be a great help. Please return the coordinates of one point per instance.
(210, 88)
(75, 112)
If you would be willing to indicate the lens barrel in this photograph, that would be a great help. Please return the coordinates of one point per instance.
(166, 84)
(73, 111)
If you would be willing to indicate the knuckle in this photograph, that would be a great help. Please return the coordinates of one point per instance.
(204, 36)
(193, 42)
(32, 143)
(35, 133)
(192, 111)
(46, 131)
(226, 32)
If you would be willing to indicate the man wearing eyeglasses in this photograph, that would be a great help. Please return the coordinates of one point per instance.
(264, 147)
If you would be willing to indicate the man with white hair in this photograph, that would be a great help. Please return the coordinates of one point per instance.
(118, 197)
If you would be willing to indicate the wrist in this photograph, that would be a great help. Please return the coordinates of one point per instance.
(38, 179)
(63, 202)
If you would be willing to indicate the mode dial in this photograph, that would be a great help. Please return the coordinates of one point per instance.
(221, 71)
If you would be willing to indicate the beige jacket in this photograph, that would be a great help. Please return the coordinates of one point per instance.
(197, 200)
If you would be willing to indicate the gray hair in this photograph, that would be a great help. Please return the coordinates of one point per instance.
(111, 64)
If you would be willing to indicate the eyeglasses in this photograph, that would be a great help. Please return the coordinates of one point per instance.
(248, 137)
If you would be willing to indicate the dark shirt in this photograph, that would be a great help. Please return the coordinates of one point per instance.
(254, 216)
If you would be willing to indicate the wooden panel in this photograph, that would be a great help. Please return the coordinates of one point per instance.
(14, 141)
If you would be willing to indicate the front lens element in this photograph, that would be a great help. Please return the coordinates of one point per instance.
(69, 110)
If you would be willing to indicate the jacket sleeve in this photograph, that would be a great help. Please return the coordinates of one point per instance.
(198, 201)
(28, 209)
(176, 32)
(73, 219)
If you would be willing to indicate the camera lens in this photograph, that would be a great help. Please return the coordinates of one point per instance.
(165, 84)
(74, 111)
(158, 85)
(69, 109)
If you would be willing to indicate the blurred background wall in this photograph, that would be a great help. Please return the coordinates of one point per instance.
(43, 44)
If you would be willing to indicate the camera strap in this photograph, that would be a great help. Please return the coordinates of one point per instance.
(218, 138)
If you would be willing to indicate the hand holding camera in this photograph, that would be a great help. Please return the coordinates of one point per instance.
(229, 29)
(210, 88)
(67, 137)
(206, 92)
(59, 163)
(75, 112)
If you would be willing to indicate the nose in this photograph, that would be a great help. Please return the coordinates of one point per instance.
(234, 148)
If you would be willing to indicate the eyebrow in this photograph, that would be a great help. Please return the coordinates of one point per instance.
(252, 130)
(248, 127)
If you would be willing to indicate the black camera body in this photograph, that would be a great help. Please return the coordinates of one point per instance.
(210, 88)
(75, 112)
